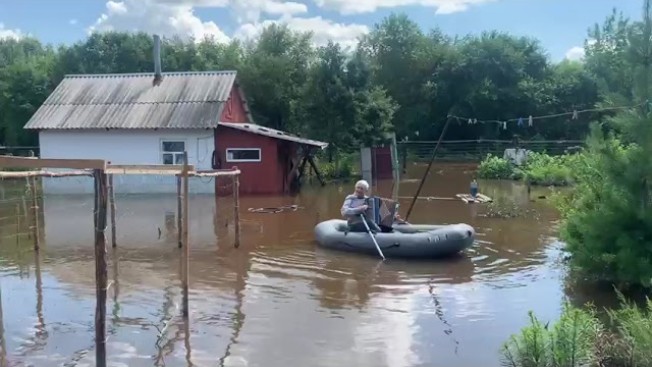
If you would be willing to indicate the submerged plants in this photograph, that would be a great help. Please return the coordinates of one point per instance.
(539, 168)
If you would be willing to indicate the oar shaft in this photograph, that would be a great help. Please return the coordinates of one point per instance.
(364, 220)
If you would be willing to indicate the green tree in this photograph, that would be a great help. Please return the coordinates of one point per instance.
(275, 69)
(607, 221)
(24, 84)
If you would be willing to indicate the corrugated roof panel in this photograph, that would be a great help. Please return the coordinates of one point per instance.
(273, 133)
(182, 100)
(128, 116)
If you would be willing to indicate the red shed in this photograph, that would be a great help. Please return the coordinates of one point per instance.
(271, 161)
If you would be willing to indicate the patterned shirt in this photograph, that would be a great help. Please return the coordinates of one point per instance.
(349, 208)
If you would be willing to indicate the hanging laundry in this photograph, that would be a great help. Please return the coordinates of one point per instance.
(575, 115)
(504, 125)
(470, 122)
(475, 121)
(529, 121)
(520, 121)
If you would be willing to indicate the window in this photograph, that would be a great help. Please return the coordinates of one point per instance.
(172, 151)
(243, 155)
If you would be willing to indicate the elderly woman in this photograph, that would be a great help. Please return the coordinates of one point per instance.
(356, 204)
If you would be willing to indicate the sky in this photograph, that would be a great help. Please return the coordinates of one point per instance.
(560, 25)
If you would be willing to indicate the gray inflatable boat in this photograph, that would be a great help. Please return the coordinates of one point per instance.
(406, 240)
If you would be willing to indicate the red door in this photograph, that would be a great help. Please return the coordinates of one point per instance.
(382, 163)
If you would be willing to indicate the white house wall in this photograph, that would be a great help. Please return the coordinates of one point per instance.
(126, 147)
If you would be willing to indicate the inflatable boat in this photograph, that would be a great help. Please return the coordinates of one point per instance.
(406, 240)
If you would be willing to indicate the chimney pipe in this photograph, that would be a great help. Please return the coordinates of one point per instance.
(158, 76)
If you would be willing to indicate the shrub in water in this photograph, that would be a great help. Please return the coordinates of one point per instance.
(493, 167)
(607, 219)
(570, 342)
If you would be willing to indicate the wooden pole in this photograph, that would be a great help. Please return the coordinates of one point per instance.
(18, 229)
(39, 292)
(101, 281)
(116, 284)
(186, 340)
(395, 169)
(25, 212)
(425, 174)
(236, 208)
(114, 241)
(179, 211)
(35, 220)
(186, 245)
(216, 212)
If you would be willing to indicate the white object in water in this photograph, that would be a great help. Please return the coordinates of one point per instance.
(517, 156)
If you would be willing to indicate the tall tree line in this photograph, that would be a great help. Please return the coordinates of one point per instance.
(398, 78)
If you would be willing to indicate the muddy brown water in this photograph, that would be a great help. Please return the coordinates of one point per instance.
(279, 299)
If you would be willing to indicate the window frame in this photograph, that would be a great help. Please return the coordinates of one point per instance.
(260, 156)
(174, 153)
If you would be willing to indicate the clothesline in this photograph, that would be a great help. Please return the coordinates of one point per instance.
(530, 119)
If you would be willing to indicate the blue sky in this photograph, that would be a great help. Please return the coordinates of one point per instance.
(560, 25)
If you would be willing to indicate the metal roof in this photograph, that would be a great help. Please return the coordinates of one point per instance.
(272, 133)
(130, 101)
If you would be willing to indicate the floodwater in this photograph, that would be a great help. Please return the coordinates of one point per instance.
(278, 299)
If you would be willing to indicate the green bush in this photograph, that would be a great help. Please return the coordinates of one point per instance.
(539, 169)
(606, 221)
(342, 167)
(493, 167)
(634, 327)
(579, 338)
(569, 342)
(547, 170)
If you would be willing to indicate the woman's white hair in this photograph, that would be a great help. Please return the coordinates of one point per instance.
(364, 184)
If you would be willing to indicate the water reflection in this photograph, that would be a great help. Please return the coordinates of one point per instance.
(278, 299)
(3, 344)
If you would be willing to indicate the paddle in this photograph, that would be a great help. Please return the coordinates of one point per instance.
(364, 220)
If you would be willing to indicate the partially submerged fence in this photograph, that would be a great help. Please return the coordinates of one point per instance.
(475, 150)
(34, 169)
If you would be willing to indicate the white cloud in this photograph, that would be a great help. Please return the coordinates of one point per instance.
(323, 30)
(162, 17)
(367, 6)
(251, 10)
(73, 22)
(177, 17)
(115, 7)
(10, 33)
(575, 53)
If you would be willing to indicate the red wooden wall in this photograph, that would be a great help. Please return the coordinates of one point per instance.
(234, 110)
(264, 177)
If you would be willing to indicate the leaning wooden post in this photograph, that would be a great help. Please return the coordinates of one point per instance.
(114, 241)
(35, 221)
(236, 207)
(101, 278)
(179, 212)
(186, 245)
